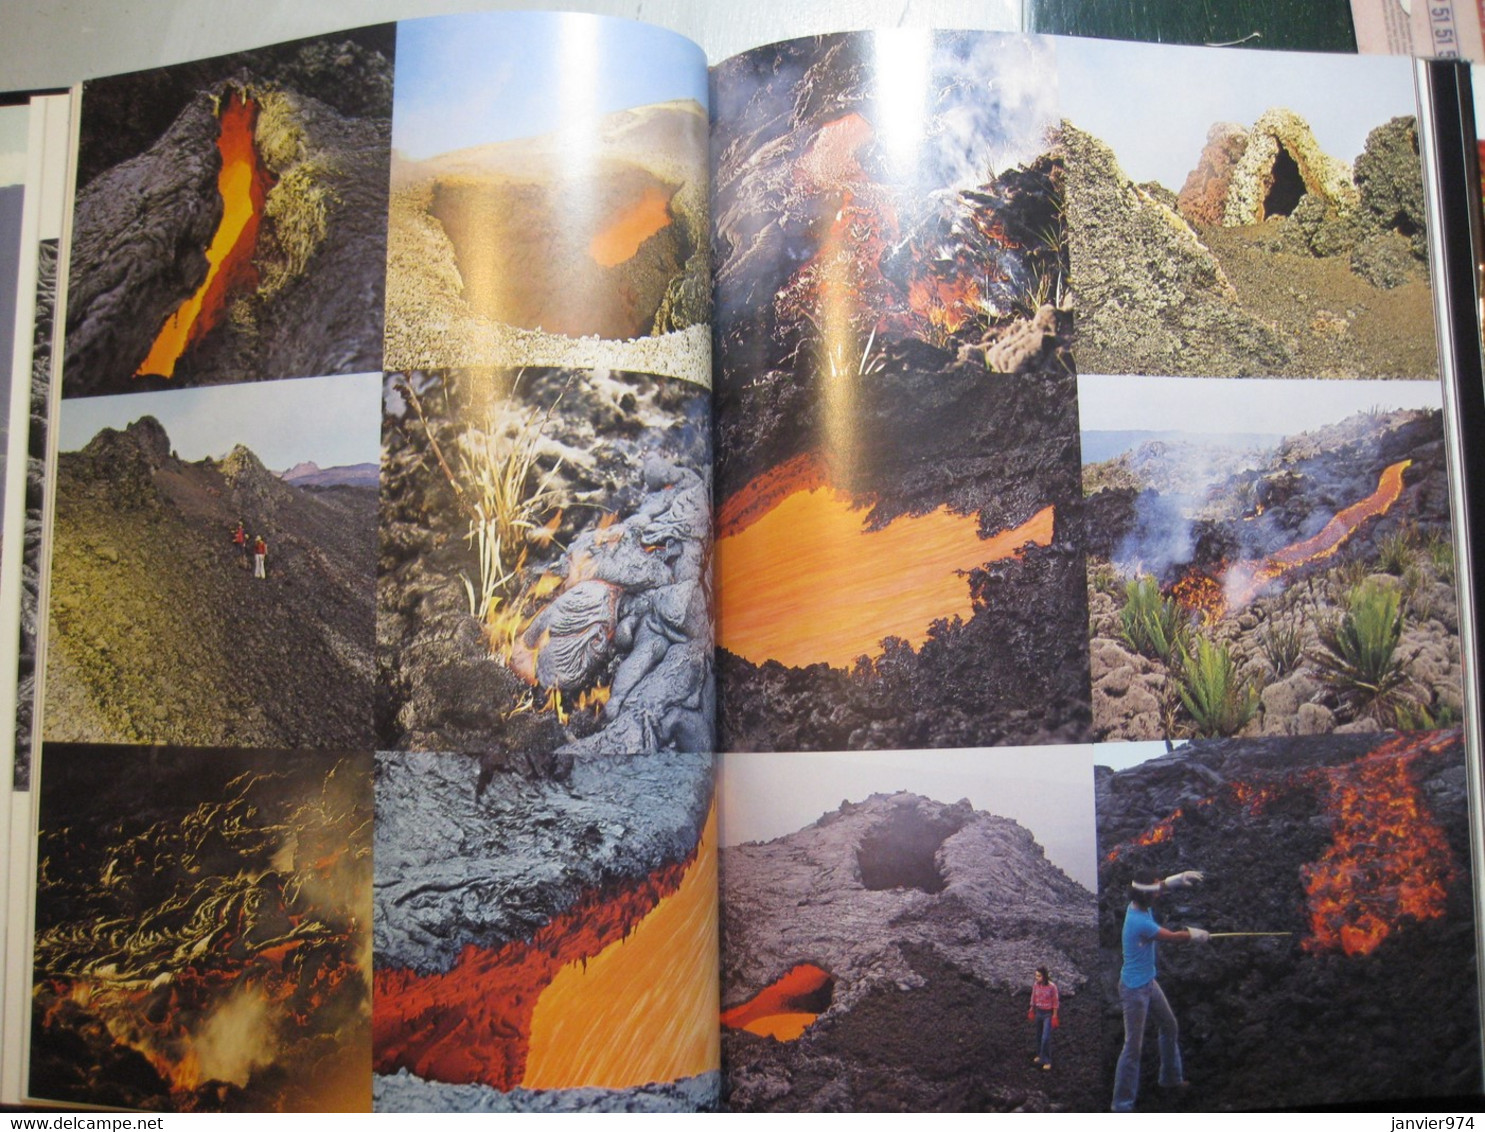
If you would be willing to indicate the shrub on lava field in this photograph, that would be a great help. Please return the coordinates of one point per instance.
(1218, 703)
(1283, 646)
(1440, 552)
(1395, 552)
(1358, 653)
(1151, 623)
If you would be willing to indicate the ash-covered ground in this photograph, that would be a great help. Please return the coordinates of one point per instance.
(308, 298)
(906, 331)
(1330, 595)
(202, 929)
(588, 627)
(527, 841)
(1356, 846)
(929, 919)
(160, 633)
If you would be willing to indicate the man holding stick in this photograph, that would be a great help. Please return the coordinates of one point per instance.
(1140, 995)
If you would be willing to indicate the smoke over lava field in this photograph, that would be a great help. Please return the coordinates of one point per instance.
(898, 556)
(1356, 848)
(202, 930)
(1309, 591)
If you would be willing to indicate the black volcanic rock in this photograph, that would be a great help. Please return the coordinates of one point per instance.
(915, 908)
(525, 848)
(1291, 1020)
(311, 302)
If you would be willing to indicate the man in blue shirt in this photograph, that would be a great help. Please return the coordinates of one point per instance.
(1140, 995)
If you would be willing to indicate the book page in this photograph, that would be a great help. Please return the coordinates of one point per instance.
(377, 717)
(1084, 520)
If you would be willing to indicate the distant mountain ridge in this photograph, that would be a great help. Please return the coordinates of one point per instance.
(307, 473)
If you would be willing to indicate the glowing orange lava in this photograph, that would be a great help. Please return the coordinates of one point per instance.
(478, 1021)
(1243, 581)
(805, 583)
(786, 1008)
(631, 228)
(644, 1008)
(1388, 858)
(244, 186)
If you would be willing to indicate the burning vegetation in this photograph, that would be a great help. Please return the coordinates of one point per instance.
(1311, 590)
(208, 950)
(893, 411)
(561, 520)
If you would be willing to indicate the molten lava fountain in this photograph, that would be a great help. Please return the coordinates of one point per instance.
(243, 184)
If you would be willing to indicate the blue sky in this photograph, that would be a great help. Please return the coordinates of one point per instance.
(1154, 104)
(473, 79)
(331, 420)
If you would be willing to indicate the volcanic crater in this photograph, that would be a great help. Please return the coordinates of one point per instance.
(880, 959)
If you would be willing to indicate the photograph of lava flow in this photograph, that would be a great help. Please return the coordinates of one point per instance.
(1342, 960)
(878, 953)
(545, 576)
(1268, 557)
(213, 566)
(1243, 213)
(203, 930)
(548, 198)
(556, 949)
(898, 554)
(230, 219)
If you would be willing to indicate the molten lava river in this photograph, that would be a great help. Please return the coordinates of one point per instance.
(619, 991)
(804, 582)
(243, 184)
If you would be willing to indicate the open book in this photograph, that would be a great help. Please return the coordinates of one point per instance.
(502, 476)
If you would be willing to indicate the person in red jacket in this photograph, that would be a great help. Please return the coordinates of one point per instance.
(260, 557)
(1043, 1011)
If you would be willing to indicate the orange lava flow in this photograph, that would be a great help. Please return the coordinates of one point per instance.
(781, 1009)
(1163, 830)
(631, 228)
(1388, 858)
(805, 583)
(474, 1022)
(645, 1008)
(1245, 580)
(244, 186)
(763, 492)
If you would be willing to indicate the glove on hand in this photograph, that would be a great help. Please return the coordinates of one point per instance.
(1184, 880)
(1031, 1015)
(1199, 935)
(1056, 1025)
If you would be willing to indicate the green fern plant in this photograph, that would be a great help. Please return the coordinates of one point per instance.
(1358, 655)
(1218, 702)
(1150, 623)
